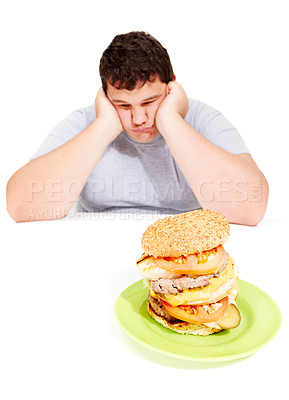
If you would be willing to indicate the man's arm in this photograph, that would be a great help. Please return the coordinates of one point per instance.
(231, 184)
(48, 186)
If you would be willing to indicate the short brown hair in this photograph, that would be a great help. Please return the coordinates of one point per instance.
(132, 58)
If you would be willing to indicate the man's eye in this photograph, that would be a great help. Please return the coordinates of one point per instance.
(125, 106)
(147, 103)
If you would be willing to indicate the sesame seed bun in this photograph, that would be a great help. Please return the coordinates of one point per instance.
(184, 234)
(184, 327)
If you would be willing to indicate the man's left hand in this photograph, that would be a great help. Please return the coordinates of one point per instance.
(175, 103)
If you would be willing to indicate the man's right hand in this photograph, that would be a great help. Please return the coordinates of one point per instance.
(106, 112)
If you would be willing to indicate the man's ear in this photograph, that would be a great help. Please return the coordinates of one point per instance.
(174, 78)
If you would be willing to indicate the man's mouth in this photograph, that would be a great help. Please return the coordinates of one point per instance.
(143, 129)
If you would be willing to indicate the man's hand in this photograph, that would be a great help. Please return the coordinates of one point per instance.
(175, 103)
(106, 112)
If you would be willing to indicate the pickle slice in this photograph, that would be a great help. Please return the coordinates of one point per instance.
(231, 318)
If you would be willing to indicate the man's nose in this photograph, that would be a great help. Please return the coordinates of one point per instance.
(139, 115)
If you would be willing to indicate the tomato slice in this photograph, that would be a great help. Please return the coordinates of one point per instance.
(181, 265)
(197, 314)
(203, 263)
(210, 265)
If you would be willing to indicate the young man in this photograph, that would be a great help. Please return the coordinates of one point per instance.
(143, 146)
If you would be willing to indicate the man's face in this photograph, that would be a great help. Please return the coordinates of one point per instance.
(137, 108)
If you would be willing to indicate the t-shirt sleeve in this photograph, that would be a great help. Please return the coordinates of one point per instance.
(211, 124)
(63, 132)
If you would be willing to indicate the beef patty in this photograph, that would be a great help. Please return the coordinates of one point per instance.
(157, 307)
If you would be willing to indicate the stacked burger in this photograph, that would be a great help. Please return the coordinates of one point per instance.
(192, 279)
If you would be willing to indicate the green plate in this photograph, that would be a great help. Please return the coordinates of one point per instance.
(260, 321)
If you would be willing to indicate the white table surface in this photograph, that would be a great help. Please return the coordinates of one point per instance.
(59, 338)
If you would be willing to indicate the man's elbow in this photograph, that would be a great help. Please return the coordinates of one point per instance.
(25, 209)
(13, 212)
(12, 204)
(245, 216)
(21, 213)
(255, 209)
(253, 218)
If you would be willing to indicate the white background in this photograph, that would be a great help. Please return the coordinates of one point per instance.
(232, 55)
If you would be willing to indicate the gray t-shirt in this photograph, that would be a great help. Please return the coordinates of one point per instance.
(144, 177)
